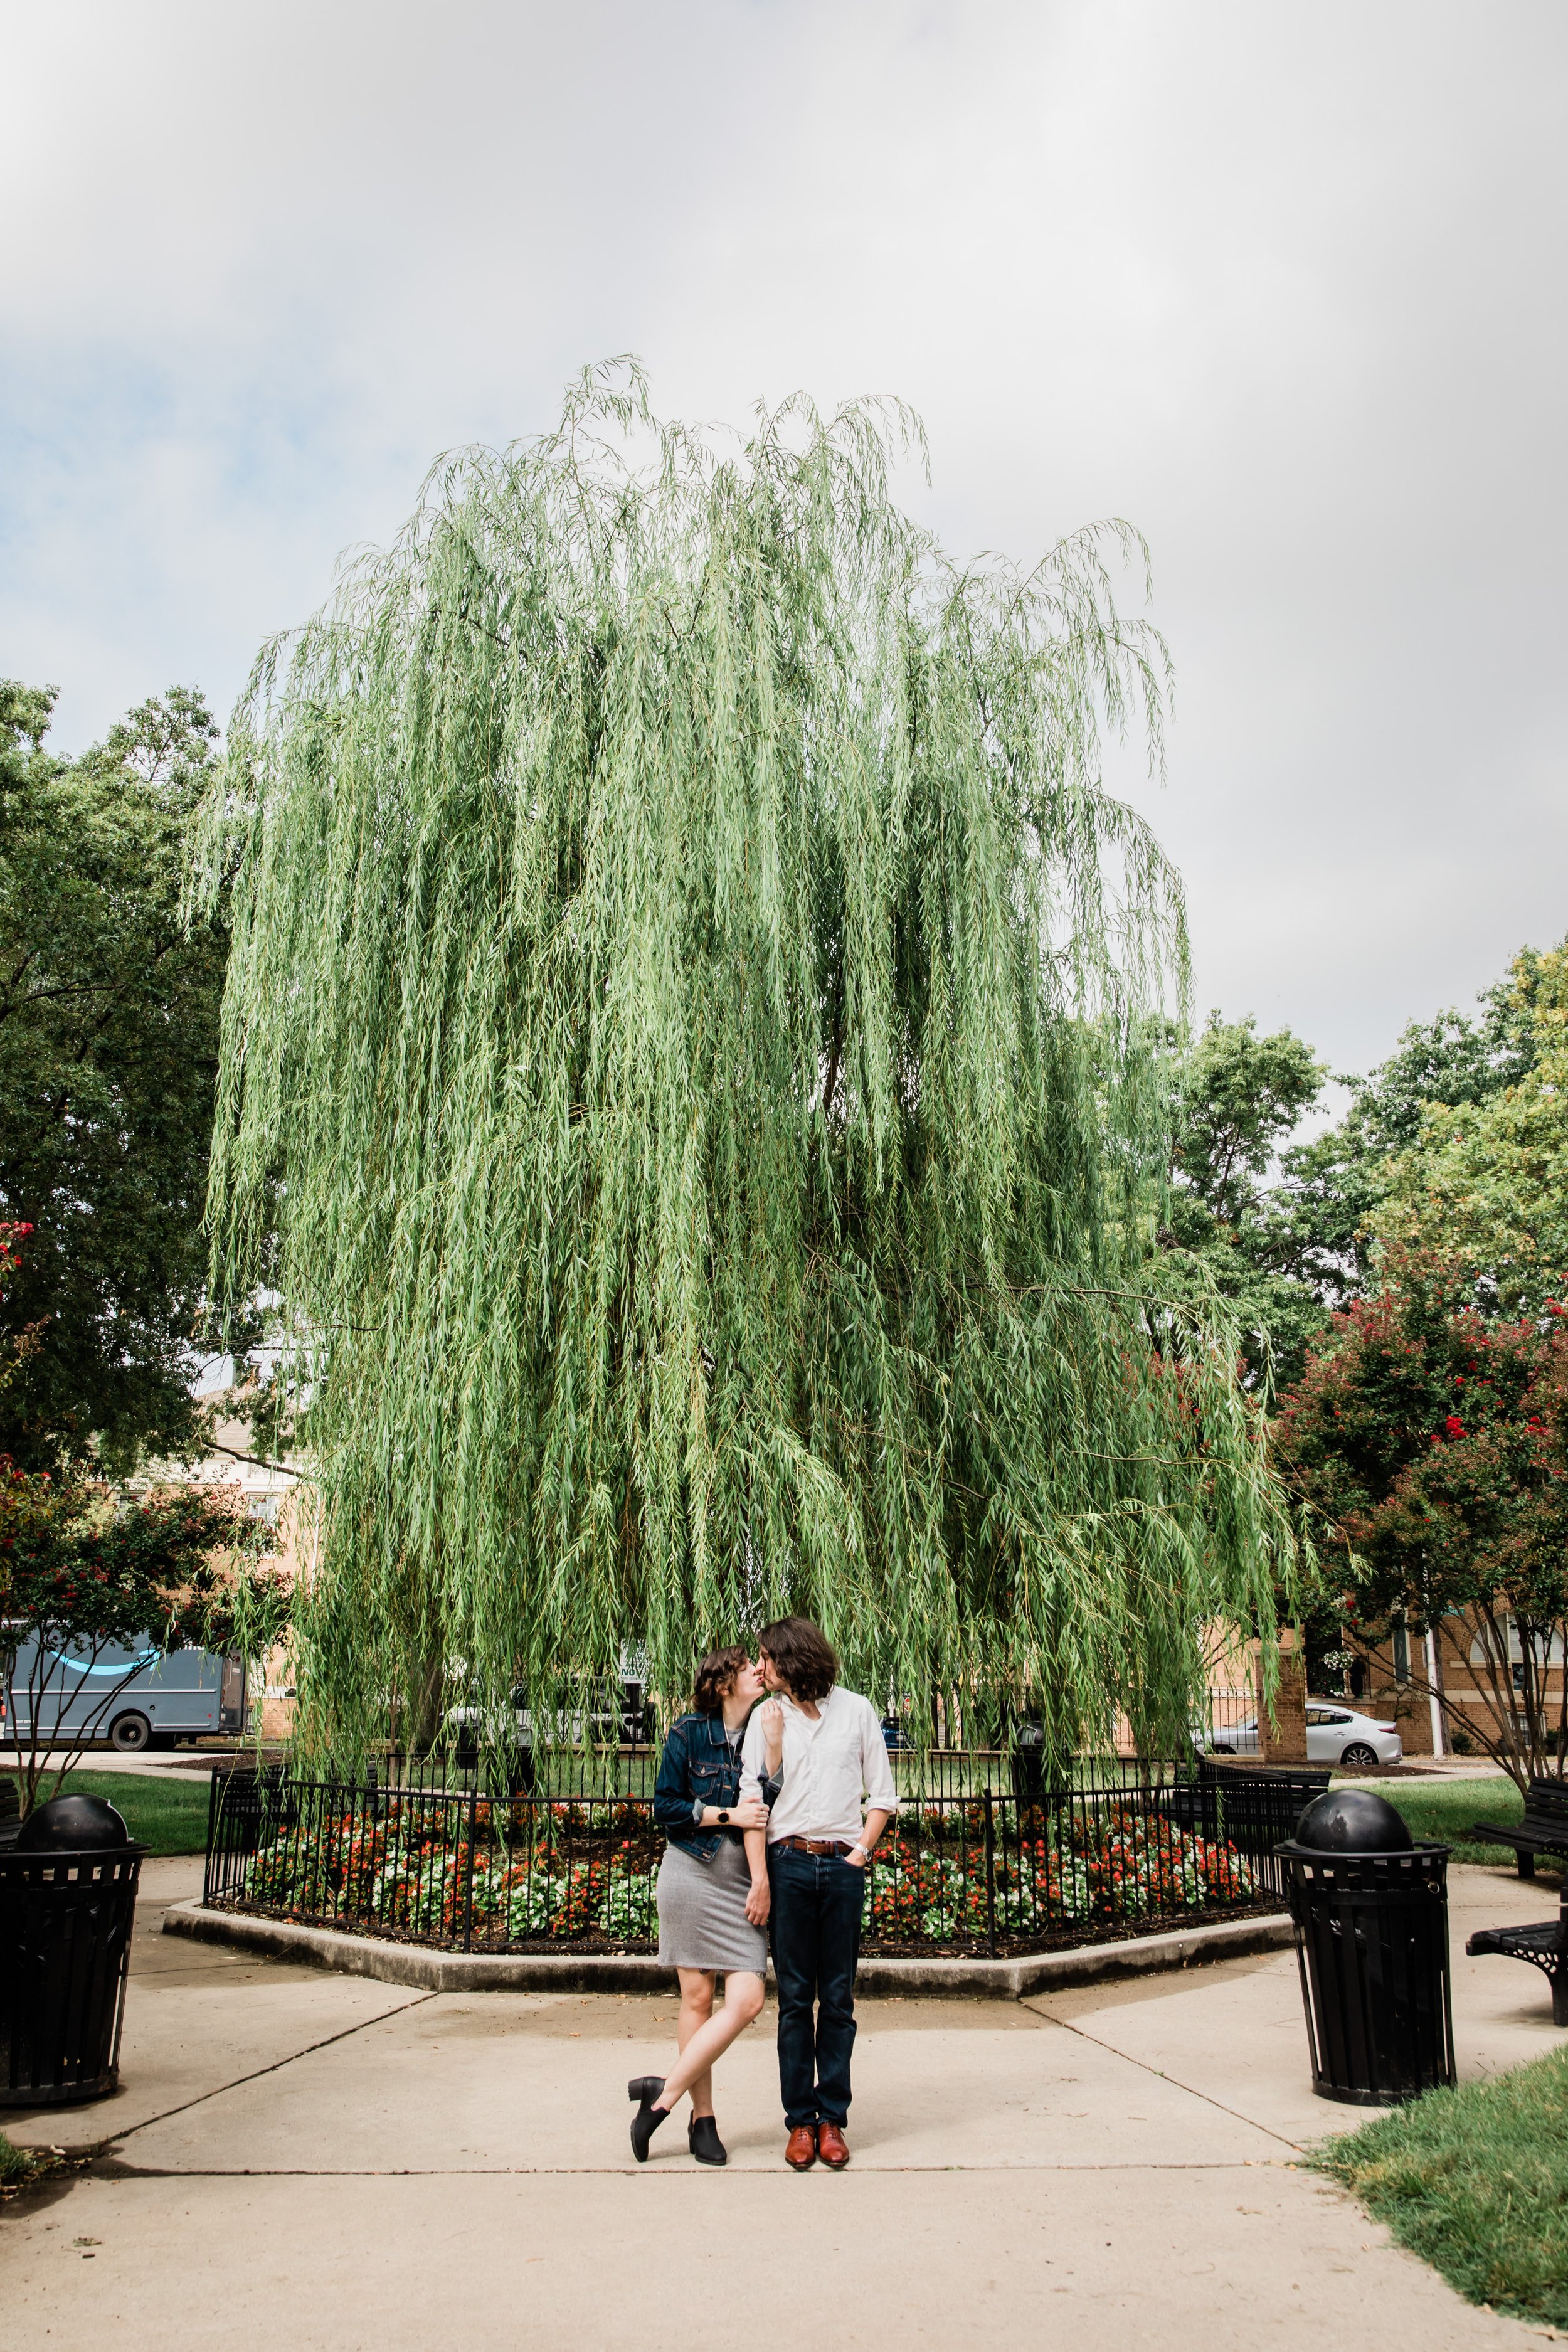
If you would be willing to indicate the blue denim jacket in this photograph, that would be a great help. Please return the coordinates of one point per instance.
(699, 1766)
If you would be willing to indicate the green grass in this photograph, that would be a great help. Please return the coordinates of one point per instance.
(1475, 2181)
(165, 1816)
(1445, 1809)
(16, 2164)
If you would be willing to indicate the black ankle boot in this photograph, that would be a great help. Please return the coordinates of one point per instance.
(702, 2138)
(645, 2089)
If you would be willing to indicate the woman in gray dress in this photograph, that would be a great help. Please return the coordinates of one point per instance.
(712, 1896)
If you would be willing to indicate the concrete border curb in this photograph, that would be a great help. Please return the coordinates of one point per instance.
(432, 1972)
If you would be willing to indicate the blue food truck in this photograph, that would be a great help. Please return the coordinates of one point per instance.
(134, 1698)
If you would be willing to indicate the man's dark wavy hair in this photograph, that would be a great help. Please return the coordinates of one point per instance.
(804, 1657)
(714, 1676)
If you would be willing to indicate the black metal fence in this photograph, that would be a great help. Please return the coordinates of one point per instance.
(982, 1855)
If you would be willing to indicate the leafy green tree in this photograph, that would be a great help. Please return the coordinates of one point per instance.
(678, 927)
(1432, 1440)
(1327, 1210)
(1237, 1097)
(109, 1011)
(1482, 1181)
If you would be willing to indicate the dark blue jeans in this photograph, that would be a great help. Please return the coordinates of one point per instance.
(815, 1930)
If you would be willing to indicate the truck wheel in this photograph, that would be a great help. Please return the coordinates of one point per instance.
(129, 1733)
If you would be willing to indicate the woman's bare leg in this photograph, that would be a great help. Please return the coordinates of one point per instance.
(710, 2040)
(695, 2009)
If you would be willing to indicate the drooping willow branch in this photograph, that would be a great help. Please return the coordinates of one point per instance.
(683, 1074)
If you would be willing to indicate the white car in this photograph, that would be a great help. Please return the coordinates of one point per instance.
(616, 1714)
(1335, 1734)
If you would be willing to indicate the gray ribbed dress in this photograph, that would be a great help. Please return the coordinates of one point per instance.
(702, 1921)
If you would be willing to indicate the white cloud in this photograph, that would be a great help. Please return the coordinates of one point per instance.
(1281, 286)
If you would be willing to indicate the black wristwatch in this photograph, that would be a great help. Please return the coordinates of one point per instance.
(724, 1813)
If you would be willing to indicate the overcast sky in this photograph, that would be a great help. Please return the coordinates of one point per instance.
(1282, 285)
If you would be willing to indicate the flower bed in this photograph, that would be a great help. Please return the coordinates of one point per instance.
(511, 1876)
(937, 1883)
(982, 1875)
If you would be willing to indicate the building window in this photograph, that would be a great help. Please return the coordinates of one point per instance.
(1402, 1653)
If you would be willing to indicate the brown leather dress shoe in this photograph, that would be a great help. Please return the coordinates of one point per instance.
(800, 2149)
(831, 2147)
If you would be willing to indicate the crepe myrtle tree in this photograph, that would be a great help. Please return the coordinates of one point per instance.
(1431, 1439)
(15, 1347)
(684, 1076)
(84, 1573)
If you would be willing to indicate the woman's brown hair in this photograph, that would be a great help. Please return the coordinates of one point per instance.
(714, 1676)
(803, 1655)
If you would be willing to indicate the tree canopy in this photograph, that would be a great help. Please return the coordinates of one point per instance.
(1453, 1145)
(1482, 1181)
(685, 1031)
(108, 1014)
(1236, 1097)
(1328, 1209)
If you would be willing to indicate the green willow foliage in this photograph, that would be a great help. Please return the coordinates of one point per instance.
(681, 1075)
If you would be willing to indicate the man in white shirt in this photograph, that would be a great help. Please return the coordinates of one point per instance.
(821, 1748)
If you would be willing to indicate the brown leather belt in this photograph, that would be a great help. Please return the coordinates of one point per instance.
(816, 1845)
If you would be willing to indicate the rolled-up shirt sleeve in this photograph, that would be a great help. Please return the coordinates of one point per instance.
(882, 1794)
(755, 1780)
(752, 1758)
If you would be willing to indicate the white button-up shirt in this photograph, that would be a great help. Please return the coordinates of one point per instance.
(835, 1769)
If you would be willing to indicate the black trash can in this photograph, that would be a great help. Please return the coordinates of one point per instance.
(1028, 1762)
(68, 1899)
(1370, 1909)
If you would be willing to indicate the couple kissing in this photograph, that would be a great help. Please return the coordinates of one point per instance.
(770, 1816)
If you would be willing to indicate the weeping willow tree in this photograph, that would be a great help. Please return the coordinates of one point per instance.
(685, 1076)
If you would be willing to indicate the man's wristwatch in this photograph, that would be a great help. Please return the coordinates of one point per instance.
(864, 1852)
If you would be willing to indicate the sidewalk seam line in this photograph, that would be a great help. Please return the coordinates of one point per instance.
(107, 2168)
(1159, 2076)
(256, 2074)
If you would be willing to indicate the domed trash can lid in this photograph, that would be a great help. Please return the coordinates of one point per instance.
(72, 1825)
(1352, 1821)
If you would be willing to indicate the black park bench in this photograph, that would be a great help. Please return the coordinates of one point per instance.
(1543, 1830)
(1544, 1945)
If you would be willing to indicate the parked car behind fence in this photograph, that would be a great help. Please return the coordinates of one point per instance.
(616, 1714)
(1336, 1735)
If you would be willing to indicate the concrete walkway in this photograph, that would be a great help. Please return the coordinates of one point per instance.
(354, 2165)
(173, 1764)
